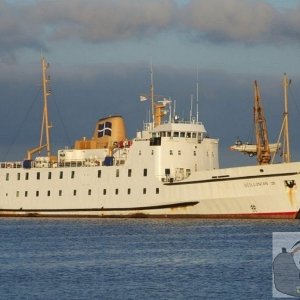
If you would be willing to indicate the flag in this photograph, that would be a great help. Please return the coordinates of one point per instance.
(143, 98)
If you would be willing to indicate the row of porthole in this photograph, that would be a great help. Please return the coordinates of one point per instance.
(37, 193)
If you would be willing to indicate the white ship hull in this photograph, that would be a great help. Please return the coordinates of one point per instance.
(245, 192)
(171, 169)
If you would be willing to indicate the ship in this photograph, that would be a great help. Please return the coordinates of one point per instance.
(170, 169)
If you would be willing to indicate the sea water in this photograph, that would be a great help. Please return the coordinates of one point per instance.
(43, 258)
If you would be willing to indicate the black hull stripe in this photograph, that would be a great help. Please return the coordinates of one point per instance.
(174, 205)
(232, 178)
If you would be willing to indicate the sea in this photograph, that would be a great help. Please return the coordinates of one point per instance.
(53, 258)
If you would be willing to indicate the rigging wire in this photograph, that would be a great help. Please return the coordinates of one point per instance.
(22, 123)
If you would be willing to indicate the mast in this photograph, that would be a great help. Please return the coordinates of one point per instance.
(262, 141)
(45, 128)
(286, 141)
(46, 93)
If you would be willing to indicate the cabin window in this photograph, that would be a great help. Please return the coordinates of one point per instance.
(89, 192)
(176, 134)
(195, 153)
(182, 134)
(99, 173)
(117, 173)
(128, 191)
(74, 192)
(49, 175)
(194, 135)
(129, 172)
(18, 176)
(167, 172)
(48, 193)
(188, 135)
(38, 175)
(60, 193)
(37, 193)
(117, 191)
(104, 191)
(26, 193)
(179, 152)
(168, 133)
(163, 134)
(72, 174)
(26, 176)
(188, 172)
(145, 172)
(61, 175)
(17, 193)
(7, 176)
(157, 190)
(144, 191)
(171, 152)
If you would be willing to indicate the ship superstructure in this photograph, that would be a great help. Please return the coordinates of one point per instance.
(170, 169)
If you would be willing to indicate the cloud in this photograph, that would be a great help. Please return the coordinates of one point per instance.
(38, 23)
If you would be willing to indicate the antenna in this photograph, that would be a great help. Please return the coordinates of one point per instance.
(191, 111)
(197, 96)
(152, 92)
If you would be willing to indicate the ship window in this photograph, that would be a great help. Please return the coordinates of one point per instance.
(182, 134)
(195, 153)
(145, 172)
(26, 176)
(74, 192)
(157, 190)
(163, 134)
(59, 192)
(72, 174)
(7, 176)
(17, 193)
(61, 175)
(26, 193)
(104, 191)
(144, 191)
(117, 173)
(38, 175)
(99, 173)
(117, 191)
(171, 152)
(89, 192)
(176, 134)
(188, 135)
(152, 152)
(140, 152)
(128, 191)
(167, 172)
(129, 172)
(18, 176)
(49, 175)
(168, 133)
(179, 152)
(37, 193)
(48, 193)
(194, 135)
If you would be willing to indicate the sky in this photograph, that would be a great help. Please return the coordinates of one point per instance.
(100, 53)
